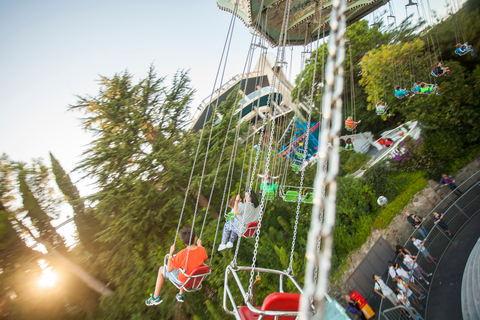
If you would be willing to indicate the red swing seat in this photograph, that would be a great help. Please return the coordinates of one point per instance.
(250, 230)
(276, 301)
(196, 277)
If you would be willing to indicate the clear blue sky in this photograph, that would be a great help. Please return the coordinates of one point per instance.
(53, 50)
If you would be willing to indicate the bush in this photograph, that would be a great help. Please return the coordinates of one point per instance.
(351, 162)
(415, 183)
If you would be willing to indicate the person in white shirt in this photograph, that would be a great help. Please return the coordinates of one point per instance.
(412, 265)
(402, 285)
(395, 270)
(421, 247)
(384, 291)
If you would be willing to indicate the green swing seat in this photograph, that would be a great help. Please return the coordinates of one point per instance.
(291, 196)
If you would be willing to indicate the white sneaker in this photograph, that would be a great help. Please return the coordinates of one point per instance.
(222, 247)
(229, 245)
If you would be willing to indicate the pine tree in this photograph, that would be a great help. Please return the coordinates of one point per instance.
(87, 225)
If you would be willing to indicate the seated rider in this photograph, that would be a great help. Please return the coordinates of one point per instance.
(428, 88)
(245, 213)
(196, 258)
(465, 48)
(440, 71)
(416, 87)
(400, 93)
(351, 124)
(349, 143)
(381, 107)
(267, 178)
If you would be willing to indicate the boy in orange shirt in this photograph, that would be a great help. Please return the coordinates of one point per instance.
(350, 123)
(197, 255)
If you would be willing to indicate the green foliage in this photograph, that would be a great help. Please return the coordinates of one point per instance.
(415, 183)
(351, 161)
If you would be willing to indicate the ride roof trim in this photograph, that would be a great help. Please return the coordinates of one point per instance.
(304, 17)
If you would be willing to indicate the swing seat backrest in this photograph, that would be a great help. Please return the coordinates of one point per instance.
(196, 277)
(399, 97)
(291, 196)
(277, 301)
(269, 195)
(250, 230)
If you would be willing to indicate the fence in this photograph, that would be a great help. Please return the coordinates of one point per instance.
(458, 207)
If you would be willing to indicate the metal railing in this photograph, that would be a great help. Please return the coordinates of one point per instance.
(458, 207)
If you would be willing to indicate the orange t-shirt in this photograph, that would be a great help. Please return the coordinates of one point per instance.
(196, 258)
(350, 123)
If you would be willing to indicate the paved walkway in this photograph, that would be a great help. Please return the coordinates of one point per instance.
(444, 301)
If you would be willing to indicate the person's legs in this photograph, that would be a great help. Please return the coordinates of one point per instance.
(233, 236)
(227, 229)
(160, 282)
(423, 232)
(393, 299)
(422, 271)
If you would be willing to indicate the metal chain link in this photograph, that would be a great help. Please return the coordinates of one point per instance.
(305, 149)
(280, 56)
(330, 130)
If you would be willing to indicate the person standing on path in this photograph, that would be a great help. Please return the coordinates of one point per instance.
(449, 181)
(421, 248)
(438, 220)
(384, 291)
(416, 222)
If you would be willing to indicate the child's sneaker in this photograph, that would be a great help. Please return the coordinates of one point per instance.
(229, 245)
(153, 301)
(222, 247)
(438, 93)
(180, 298)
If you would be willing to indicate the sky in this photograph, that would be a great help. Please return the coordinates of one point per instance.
(52, 51)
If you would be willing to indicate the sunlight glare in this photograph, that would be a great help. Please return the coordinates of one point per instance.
(48, 278)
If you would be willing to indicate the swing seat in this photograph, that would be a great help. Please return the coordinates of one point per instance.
(291, 196)
(348, 128)
(250, 230)
(269, 195)
(194, 279)
(400, 97)
(438, 75)
(308, 199)
(287, 302)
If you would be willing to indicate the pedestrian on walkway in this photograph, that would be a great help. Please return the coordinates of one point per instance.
(384, 291)
(354, 308)
(412, 265)
(402, 285)
(421, 248)
(394, 270)
(416, 222)
(438, 220)
(449, 181)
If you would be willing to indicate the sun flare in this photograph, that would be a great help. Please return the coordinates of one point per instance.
(48, 278)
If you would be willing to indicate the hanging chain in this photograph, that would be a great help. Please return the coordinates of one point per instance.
(280, 57)
(305, 149)
(330, 130)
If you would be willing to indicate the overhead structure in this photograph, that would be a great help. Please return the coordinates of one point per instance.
(303, 18)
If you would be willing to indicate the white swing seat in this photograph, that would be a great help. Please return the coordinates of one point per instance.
(400, 97)
(194, 279)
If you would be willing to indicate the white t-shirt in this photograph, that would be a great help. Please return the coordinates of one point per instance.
(381, 286)
(419, 245)
(401, 285)
(408, 260)
(246, 213)
(401, 296)
(391, 272)
(404, 274)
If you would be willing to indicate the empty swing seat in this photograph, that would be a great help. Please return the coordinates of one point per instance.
(287, 302)
(250, 230)
(291, 196)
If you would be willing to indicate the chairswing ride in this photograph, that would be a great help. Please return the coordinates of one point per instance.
(280, 24)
